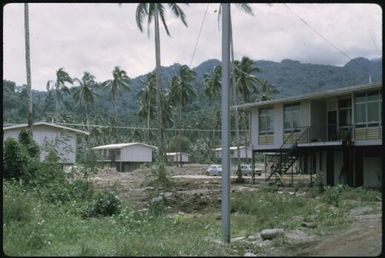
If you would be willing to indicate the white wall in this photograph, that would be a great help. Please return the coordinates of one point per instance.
(254, 128)
(278, 125)
(176, 158)
(372, 171)
(64, 141)
(136, 153)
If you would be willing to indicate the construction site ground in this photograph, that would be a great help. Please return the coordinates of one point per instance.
(363, 237)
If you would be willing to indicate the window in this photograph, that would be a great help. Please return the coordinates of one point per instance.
(345, 110)
(367, 109)
(291, 117)
(265, 119)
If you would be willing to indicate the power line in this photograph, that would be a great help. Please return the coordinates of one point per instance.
(143, 128)
(199, 34)
(319, 34)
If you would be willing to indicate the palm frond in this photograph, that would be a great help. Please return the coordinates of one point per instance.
(163, 18)
(246, 8)
(178, 12)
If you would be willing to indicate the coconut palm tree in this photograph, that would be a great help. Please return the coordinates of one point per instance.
(84, 94)
(247, 9)
(267, 91)
(28, 66)
(59, 86)
(182, 91)
(245, 80)
(119, 82)
(245, 84)
(147, 96)
(154, 11)
(212, 84)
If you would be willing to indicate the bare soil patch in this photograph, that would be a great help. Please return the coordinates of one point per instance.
(193, 192)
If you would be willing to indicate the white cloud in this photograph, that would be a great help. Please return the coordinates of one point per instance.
(98, 37)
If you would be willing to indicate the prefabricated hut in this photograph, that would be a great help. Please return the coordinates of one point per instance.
(178, 157)
(244, 153)
(125, 156)
(47, 135)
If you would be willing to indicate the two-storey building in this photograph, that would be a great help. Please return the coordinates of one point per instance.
(337, 134)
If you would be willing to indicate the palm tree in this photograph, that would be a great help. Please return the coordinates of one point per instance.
(247, 9)
(267, 91)
(147, 101)
(120, 81)
(245, 81)
(153, 11)
(59, 86)
(84, 94)
(28, 66)
(182, 91)
(212, 84)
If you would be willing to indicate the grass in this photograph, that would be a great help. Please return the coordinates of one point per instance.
(33, 226)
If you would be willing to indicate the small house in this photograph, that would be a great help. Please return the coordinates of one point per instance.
(336, 134)
(178, 157)
(125, 156)
(244, 153)
(48, 135)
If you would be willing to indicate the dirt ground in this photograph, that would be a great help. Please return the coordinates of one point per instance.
(362, 238)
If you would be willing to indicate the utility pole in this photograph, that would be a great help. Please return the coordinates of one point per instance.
(28, 66)
(225, 111)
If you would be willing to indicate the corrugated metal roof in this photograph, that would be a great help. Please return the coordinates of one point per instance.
(46, 124)
(122, 145)
(176, 153)
(316, 95)
(231, 148)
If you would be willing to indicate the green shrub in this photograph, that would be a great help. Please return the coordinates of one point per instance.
(103, 204)
(15, 160)
(16, 205)
(332, 195)
(25, 138)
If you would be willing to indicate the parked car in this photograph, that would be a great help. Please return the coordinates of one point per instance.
(246, 170)
(214, 170)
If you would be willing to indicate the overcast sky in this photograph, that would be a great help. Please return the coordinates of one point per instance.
(98, 37)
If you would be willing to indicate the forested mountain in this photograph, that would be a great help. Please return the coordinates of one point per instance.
(289, 76)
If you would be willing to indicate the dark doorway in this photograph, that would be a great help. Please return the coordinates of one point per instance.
(359, 168)
(332, 125)
(330, 168)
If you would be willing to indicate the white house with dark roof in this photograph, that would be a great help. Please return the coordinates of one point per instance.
(125, 156)
(62, 138)
(244, 153)
(178, 157)
(337, 133)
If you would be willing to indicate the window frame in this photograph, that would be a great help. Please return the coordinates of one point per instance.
(268, 112)
(292, 112)
(365, 102)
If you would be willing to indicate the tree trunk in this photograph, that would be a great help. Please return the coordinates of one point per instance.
(56, 107)
(180, 131)
(116, 110)
(148, 123)
(158, 90)
(239, 172)
(28, 66)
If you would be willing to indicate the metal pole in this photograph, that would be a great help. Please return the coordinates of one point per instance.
(225, 111)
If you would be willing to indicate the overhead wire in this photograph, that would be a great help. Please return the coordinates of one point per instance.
(199, 34)
(322, 36)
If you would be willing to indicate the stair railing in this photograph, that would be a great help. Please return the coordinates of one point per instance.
(284, 154)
